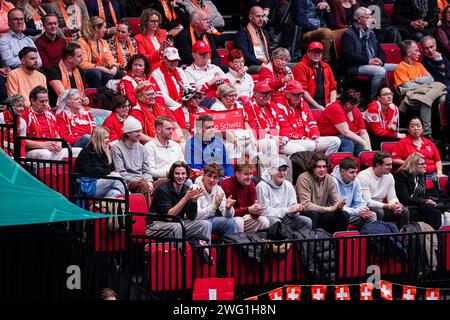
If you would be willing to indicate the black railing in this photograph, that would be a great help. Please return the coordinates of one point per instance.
(8, 132)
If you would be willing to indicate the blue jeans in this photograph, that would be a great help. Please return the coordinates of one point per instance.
(82, 142)
(107, 188)
(348, 145)
(222, 225)
(376, 73)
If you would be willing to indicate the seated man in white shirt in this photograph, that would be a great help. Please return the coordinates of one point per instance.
(378, 190)
(204, 75)
(163, 151)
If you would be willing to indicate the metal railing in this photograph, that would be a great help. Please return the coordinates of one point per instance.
(8, 132)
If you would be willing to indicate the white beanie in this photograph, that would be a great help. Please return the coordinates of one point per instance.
(131, 124)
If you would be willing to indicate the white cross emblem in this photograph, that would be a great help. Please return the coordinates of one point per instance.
(292, 295)
(385, 291)
(432, 296)
(318, 295)
(408, 295)
(366, 293)
(212, 294)
(341, 295)
(276, 296)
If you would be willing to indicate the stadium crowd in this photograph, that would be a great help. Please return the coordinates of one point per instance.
(162, 88)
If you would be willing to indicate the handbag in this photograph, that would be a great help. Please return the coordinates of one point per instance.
(87, 186)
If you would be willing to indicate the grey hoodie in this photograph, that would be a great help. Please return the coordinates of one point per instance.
(276, 199)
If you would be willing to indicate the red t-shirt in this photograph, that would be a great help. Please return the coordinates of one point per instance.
(334, 114)
(428, 149)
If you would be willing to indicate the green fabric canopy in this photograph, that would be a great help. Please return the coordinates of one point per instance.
(25, 200)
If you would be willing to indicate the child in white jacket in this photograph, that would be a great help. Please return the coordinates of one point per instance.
(213, 205)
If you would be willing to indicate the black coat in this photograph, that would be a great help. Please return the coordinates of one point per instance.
(434, 68)
(407, 192)
(351, 48)
(243, 42)
(406, 11)
(92, 163)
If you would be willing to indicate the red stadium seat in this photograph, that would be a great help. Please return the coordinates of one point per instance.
(446, 247)
(389, 8)
(366, 159)
(223, 54)
(338, 156)
(352, 255)
(134, 21)
(229, 44)
(392, 52)
(316, 114)
(388, 146)
(138, 204)
(443, 184)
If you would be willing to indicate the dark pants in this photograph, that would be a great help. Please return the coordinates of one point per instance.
(428, 214)
(96, 78)
(390, 216)
(330, 221)
(3, 93)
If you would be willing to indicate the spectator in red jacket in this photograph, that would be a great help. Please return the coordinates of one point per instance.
(74, 123)
(147, 110)
(304, 129)
(114, 122)
(138, 70)
(247, 211)
(277, 73)
(382, 119)
(343, 119)
(316, 77)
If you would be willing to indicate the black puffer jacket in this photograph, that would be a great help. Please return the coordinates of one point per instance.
(318, 257)
(91, 162)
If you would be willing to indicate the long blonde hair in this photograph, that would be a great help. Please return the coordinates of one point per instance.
(88, 27)
(28, 10)
(411, 162)
(97, 138)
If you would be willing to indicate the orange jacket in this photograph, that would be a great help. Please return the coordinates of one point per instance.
(88, 61)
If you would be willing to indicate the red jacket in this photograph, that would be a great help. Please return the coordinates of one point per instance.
(272, 121)
(378, 123)
(274, 80)
(72, 128)
(128, 84)
(302, 122)
(114, 126)
(305, 73)
(147, 118)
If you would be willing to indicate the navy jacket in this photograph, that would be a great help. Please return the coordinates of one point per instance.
(243, 42)
(182, 41)
(434, 68)
(300, 8)
(351, 48)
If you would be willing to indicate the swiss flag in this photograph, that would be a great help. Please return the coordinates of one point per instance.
(386, 290)
(409, 293)
(293, 293)
(276, 294)
(342, 293)
(318, 292)
(252, 298)
(432, 294)
(365, 291)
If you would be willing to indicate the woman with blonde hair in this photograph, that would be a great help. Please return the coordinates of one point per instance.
(34, 15)
(98, 61)
(152, 40)
(410, 188)
(95, 159)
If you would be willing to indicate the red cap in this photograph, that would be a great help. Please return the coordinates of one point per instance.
(201, 47)
(294, 86)
(262, 86)
(316, 45)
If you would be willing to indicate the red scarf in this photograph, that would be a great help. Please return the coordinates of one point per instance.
(150, 117)
(114, 126)
(174, 93)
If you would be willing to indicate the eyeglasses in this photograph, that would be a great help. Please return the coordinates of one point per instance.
(422, 164)
(126, 106)
(198, 96)
(231, 96)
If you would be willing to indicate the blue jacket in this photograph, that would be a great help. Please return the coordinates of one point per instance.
(243, 42)
(351, 191)
(302, 13)
(199, 154)
(352, 51)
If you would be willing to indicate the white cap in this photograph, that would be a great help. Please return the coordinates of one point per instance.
(171, 53)
(131, 124)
